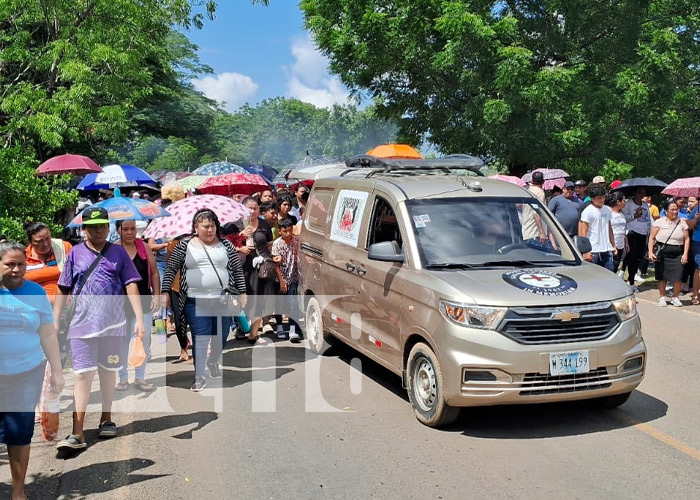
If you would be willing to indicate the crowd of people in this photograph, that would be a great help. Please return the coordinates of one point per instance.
(629, 234)
(65, 303)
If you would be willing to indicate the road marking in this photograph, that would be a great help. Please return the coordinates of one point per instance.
(679, 309)
(663, 437)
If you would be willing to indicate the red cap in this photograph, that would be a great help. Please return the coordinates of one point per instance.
(615, 183)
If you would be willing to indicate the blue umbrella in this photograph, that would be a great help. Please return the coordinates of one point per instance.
(114, 176)
(219, 168)
(125, 208)
(267, 173)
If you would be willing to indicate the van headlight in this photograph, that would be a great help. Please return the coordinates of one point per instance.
(626, 308)
(486, 318)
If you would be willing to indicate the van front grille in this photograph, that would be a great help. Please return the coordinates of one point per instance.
(536, 384)
(557, 325)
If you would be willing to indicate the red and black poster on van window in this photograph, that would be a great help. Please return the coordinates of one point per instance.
(347, 217)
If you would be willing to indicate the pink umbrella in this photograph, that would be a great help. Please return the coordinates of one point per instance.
(687, 186)
(68, 164)
(508, 178)
(547, 173)
(233, 183)
(181, 213)
(549, 184)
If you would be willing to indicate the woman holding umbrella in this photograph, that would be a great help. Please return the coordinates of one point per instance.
(669, 245)
(209, 271)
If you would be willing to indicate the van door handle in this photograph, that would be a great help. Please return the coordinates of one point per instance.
(361, 270)
(350, 266)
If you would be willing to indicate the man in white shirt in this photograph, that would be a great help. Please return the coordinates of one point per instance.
(595, 225)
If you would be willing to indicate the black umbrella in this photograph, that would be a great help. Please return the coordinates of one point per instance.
(652, 186)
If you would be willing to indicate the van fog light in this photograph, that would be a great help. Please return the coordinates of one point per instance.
(633, 364)
(474, 376)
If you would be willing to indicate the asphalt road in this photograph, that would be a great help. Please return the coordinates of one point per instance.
(175, 444)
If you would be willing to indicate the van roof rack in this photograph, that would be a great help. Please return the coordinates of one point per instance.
(386, 165)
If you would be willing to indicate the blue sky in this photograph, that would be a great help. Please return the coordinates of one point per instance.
(259, 52)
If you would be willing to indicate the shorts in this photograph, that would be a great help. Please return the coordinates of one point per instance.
(19, 395)
(90, 353)
(16, 428)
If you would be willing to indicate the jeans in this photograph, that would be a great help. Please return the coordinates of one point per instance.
(286, 304)
(162, 313)
(205, 322)
(139, 371)
(603, 259)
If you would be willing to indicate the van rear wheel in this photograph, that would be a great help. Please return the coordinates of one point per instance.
(319, 340)
(425, 388)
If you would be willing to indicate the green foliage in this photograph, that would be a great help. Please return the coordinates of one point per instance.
(24, 197)
(77, 76)
(585, 86)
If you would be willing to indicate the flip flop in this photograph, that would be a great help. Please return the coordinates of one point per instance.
(144, 386)
(107, 430)
(258, 341)
(72, 442)
(121, 386)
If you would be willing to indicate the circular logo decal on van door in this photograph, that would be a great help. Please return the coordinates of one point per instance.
(541, 282)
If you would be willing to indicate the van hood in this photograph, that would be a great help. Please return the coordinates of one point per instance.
(509, 286)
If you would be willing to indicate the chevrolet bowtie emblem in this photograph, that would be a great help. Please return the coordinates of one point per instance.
(566, 316)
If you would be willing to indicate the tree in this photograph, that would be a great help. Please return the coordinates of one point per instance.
(276, 132)
(74, 76)
(576, 85)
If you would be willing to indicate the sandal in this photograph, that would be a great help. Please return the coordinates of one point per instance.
(184, 356)
(122, 386)
(107, 430)
(695, 300)
(72, 442)
(144, 386)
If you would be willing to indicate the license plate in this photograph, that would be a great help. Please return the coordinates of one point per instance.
(567, 363)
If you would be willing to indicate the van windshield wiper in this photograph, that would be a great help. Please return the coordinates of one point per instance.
(450, 265)
(509, 263)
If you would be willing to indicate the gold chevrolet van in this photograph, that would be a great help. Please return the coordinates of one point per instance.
(466, 287)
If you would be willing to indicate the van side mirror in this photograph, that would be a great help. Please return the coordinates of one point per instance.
(386, 251)
(583, 244)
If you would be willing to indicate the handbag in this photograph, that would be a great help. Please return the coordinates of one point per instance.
(268, 270)
(226, 298)
(68, 311)
(660, 247)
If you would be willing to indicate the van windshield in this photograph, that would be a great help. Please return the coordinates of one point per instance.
(484, 232)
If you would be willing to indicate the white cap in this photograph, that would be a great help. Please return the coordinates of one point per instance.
(598, 179)
(136, 194)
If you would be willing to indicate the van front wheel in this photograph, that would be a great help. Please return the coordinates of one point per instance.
(319, 340)
(425, 388)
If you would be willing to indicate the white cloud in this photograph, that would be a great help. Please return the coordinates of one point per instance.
(231, 90)
(309, 80)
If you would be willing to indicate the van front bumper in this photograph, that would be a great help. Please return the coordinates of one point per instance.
(484, 367)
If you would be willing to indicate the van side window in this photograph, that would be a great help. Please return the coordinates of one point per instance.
(383, 225)
(318, 206)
